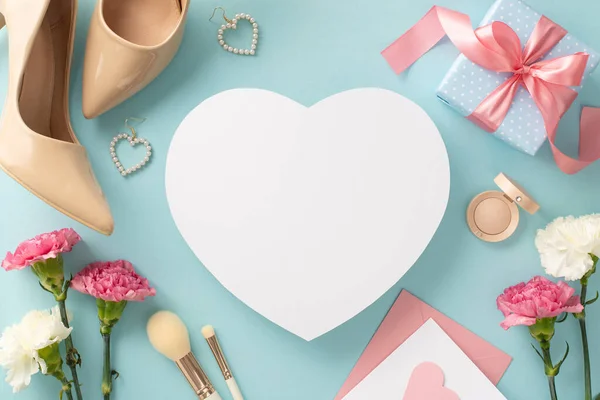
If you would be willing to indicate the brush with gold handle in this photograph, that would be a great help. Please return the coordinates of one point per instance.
(170, 337)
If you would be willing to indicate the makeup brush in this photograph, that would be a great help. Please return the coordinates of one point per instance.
(209, 334)
(170, 337)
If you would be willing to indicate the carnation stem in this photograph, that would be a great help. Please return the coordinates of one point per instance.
(72, 355)
(552, 388)
(548, 362)
(67, 388)
(107, 374)
(584, 341)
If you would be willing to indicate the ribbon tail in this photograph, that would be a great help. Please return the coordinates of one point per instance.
(589, 138)
(568, 165)
(553, 101)
(417, 41)
(495, 47)
(589, 143)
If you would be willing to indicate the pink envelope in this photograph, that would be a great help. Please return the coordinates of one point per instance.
(404, 318)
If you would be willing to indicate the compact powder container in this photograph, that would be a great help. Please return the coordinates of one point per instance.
(493, 216)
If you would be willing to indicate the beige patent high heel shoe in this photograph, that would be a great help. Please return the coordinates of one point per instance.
(38, 147)
(129, 44)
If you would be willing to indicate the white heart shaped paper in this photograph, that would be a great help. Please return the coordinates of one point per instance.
(307, 215)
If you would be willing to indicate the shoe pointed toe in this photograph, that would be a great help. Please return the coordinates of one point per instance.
(95, 212)
(98, 217)
(87, 203)
(69, 185)
(100, 97)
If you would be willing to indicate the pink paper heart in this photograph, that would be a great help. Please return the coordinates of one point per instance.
(427, 383)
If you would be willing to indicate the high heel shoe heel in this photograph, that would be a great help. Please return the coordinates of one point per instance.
(38, 147)
(129, 44)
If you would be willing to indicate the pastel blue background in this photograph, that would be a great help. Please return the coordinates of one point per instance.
(309, 49)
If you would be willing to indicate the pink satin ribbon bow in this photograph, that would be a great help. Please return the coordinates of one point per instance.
(497, 47)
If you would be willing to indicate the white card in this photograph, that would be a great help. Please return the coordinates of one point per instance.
(429, 344)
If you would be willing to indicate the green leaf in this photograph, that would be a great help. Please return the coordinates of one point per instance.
(592, 301)
(560, 363)
(538, 352)
(563, 318)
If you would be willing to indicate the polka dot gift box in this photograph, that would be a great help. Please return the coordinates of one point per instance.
(467, 84)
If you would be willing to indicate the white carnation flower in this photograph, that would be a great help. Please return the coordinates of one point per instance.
(566, 244)
(19, 345)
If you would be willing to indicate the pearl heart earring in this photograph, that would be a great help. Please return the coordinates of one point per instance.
(232, 24)
(133, 140)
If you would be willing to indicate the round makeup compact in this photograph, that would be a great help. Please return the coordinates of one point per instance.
(493, 216)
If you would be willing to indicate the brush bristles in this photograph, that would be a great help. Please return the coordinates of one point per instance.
(208, 331)
(168, 335)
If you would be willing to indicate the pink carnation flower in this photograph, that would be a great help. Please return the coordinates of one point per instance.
(524, 303)
(41, 248)
(112, 281)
